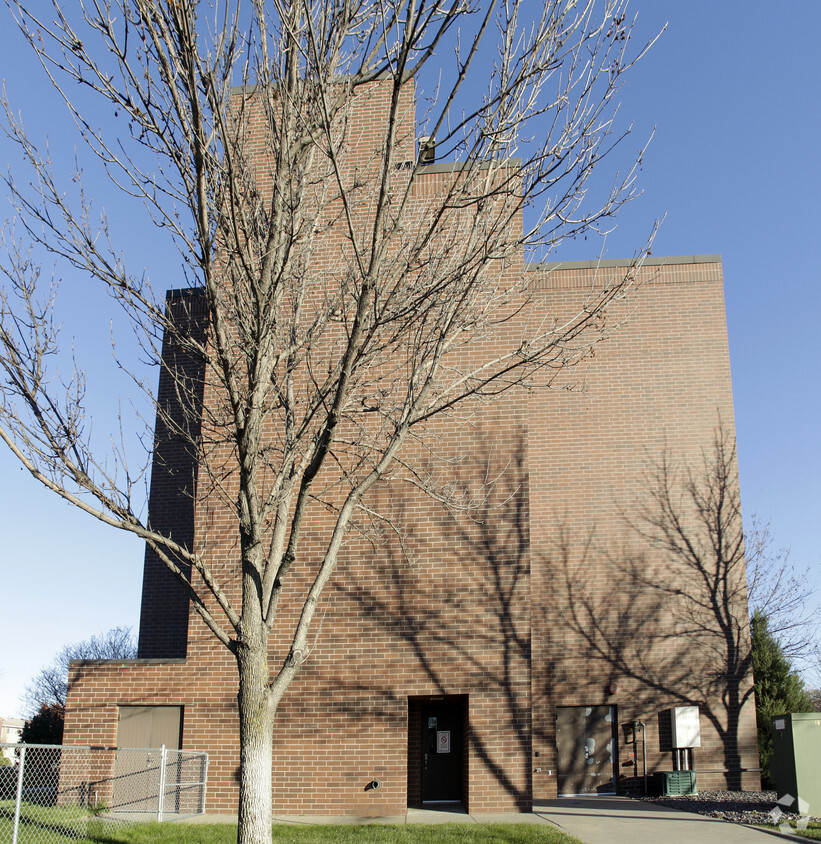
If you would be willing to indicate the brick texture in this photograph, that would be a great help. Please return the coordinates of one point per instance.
(525, 605)
(164, 607)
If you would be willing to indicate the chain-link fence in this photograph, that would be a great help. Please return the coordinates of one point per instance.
(53, 793)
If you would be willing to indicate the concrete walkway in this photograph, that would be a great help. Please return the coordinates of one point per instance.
(593, 820)
(604, 820)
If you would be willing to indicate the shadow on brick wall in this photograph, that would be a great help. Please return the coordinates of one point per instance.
(454, 598)
(674, 622)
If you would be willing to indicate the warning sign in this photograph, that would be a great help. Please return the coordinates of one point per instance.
(443, 741)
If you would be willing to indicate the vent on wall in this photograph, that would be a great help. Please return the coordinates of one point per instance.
(427, 150)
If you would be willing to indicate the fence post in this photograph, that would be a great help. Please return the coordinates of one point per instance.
(205, 784)
(19, 796)
(163, 757)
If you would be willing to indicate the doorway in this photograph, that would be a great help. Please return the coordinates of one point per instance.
(436, 750)
(586, 745)
(141, 731)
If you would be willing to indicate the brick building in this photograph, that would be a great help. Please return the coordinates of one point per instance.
(496, 658)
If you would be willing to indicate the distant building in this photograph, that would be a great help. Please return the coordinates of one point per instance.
(10, 731)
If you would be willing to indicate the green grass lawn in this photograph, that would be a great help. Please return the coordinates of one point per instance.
(451, 833)
(44, 823)
(812, 832)
(61, 825)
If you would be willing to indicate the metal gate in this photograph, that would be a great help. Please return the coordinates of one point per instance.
(53, 792)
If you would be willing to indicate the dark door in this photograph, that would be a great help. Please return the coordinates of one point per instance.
(586, 744)
(442, 752)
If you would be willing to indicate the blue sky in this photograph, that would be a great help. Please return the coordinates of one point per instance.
(732, 88)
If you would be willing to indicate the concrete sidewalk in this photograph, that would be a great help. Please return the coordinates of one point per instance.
(604, 820)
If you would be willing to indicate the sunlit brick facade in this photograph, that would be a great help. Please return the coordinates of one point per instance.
(492, 634)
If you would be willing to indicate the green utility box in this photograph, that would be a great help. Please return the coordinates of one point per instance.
(795, 766)
(675, 783)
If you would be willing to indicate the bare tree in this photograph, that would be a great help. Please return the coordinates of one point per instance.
(349, 304)
(49, 686)
(783, 594)
(719, 578)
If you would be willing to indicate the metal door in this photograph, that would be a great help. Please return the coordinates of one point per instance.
(141, 731)
(442, 752)
(586, 745)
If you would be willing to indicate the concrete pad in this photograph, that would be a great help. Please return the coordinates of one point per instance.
(209, 818)
(509, 817)
(442, 814)
(448, 813)
(346, 820)
(603, 820)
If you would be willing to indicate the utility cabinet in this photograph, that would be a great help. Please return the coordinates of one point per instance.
(685, 734)
(685, 726)
(795, 766)
(675, 783)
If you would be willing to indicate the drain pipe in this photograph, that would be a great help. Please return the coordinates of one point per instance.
(636, 725)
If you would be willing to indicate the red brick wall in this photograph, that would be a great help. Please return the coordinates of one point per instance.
(164, 606)
(488, 605)
(660, 382)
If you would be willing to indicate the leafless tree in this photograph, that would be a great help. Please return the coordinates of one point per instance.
(346, 308)
(50, 685)
(784, 594)
(721, 575)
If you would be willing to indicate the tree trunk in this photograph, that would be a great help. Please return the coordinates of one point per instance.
(256, 728)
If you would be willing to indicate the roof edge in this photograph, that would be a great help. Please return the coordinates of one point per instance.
(609, 262)
(139, 661)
